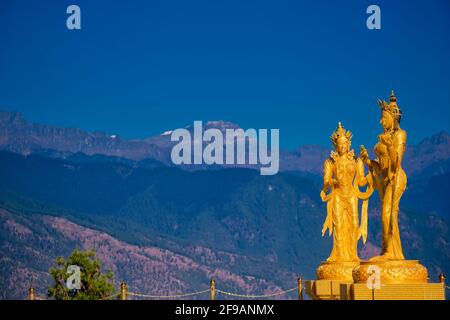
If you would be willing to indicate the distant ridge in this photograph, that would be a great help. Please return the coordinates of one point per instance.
(17, 135)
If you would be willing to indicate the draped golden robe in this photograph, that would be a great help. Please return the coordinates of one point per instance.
(390, 181)
(342, 204)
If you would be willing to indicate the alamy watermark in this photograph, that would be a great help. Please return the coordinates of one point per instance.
(236, 147)
(374, 280)
(74, 280)
(73, 22)
(373, 22)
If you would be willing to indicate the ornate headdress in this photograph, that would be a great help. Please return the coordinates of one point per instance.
(391, 107)
(340, 132)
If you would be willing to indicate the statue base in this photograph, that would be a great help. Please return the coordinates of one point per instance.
(342, 290)
(337, 271)
(399, 280)
(392, 272)
(328, 289)
(399, 291)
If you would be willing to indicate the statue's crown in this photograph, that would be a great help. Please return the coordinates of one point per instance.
(340, 132)
(391, 107)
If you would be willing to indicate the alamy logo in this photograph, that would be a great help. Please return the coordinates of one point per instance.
(74, 280)
(236, 147)
(73, 21)
(374, 20)
(374, 280)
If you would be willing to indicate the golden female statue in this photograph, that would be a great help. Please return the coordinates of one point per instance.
(390, 180)
(389, 177)
(343, 175)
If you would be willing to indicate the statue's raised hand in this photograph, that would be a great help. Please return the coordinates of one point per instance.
(386, 139)
(363, 154)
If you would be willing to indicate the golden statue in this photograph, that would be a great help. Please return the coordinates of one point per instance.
(389, 179)
(389, 275)
(343, 175)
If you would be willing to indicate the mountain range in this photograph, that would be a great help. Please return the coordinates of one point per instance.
(165, 229)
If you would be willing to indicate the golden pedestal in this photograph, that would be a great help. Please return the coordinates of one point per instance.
(328, 289)
(392, 271)
(399, 291)
(333, 280)
(341, 290)
(340, 271)
(398, 280)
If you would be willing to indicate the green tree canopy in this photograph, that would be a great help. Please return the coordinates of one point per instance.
(94, 284)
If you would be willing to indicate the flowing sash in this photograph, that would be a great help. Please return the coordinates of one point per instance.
(362, 232)
(328, 198)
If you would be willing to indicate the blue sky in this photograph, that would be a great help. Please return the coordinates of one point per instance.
(138, 68)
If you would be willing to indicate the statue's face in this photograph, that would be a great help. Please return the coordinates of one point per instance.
(342, 146)
(386, 121)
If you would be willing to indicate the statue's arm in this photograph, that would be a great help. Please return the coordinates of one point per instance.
(364, 156)
(362, 180)
(328, 180)
(398, 149)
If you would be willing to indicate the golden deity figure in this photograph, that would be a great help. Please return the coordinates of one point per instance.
(343, 175)
(389, 176)
(389, 179)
